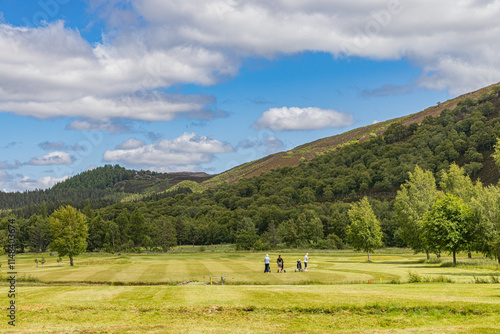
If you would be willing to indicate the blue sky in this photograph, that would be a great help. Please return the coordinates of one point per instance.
(207, 85)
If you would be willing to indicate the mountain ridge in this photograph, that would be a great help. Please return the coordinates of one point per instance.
(308, 151)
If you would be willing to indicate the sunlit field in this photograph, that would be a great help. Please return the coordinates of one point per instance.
(339, 267)
(397, 292)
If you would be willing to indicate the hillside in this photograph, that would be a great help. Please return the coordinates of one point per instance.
(301, 206)
(308, 151)
(108, 185)
(102, 186)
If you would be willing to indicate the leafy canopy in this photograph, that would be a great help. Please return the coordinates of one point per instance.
(364, 233)
(70, 231)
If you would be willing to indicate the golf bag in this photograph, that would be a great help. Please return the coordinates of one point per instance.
(299, 266)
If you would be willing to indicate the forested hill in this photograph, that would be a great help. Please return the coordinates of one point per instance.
(308, 151)
(102, 186)
(463, 129)
(302, 206)
(307, 205)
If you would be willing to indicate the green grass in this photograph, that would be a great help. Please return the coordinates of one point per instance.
(397, 292)
(381, 308)
(187, 263)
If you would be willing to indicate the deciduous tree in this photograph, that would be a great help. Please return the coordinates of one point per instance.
(70, 230)
(448, 225)
(364, 233)
(413, 200)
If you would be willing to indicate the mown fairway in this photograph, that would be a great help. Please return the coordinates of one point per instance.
(246, 268)
(334, 296)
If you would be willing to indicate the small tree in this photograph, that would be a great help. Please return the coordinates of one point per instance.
(36, 261)
(70, 231)
(59, 261)
(448, 225)
(413, 200)
(364, 233)
(42, 261)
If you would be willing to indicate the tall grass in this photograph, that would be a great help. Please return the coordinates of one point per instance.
(414, 277)
(482, 263)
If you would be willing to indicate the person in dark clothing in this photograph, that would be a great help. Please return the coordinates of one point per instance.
(280, 263)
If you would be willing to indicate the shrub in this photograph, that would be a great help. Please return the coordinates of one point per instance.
(414, 277)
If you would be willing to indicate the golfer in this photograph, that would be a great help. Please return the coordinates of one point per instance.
(266, 262)
(280, 263)
(305, 261)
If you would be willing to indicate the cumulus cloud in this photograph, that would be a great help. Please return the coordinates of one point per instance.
(52, 158)
(27, 183)
(455, 49)
(186, 150)
(283, 119)
(52, 71)
(149, 45)
(131, 144)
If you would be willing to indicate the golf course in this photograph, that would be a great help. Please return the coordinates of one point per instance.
(396, 292)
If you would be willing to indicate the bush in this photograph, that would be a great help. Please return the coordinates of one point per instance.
(413, 277)
(333, 241)
(258, 245)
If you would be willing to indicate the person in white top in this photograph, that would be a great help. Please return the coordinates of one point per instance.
(305, 261)
(266, 262)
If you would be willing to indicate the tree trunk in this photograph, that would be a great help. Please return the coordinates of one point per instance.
(454, 258)
(428, 255)
(71, 260)
(469, 255)
(368, 255)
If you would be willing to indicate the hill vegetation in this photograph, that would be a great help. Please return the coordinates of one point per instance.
(308, 151)
(102, 186)
(304, 206)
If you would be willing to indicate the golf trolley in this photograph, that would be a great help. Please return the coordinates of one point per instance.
(299, 266)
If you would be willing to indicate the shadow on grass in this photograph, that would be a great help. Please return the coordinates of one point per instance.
(424, 266)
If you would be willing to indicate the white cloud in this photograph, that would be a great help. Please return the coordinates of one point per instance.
(52, 158)
(427, 33)
(52, 71)
(111, 127)
(27, 183)
(283, 119)
(131, 144)
(186, 150)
